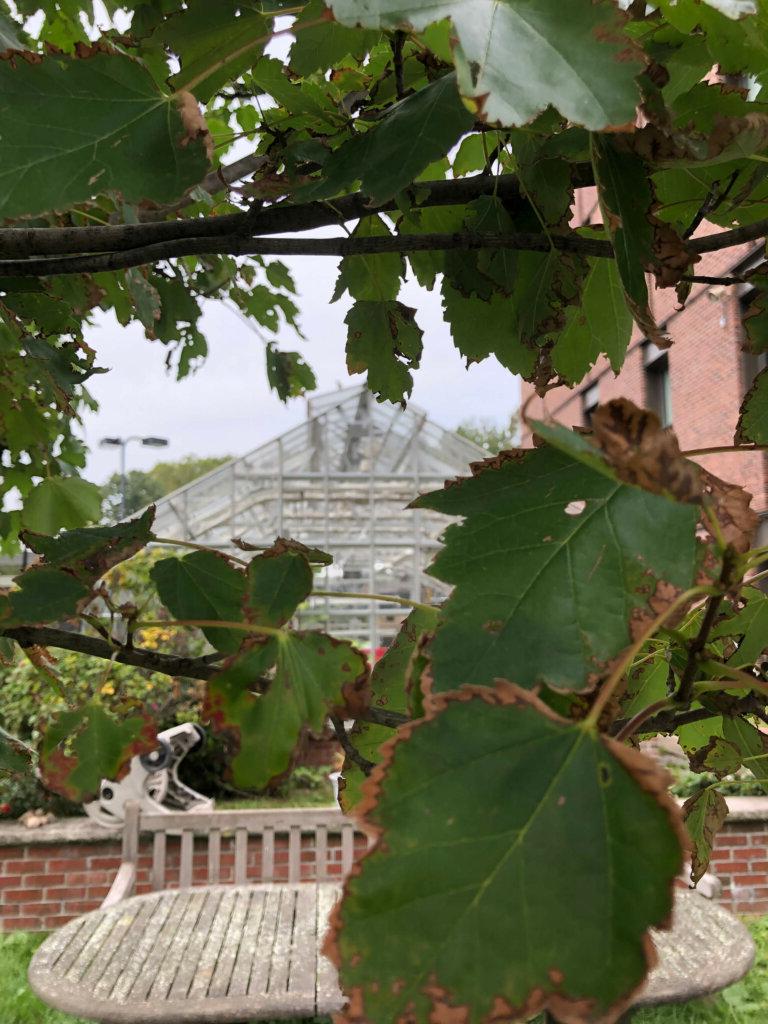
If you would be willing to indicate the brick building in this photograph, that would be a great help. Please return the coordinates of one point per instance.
(697, 385)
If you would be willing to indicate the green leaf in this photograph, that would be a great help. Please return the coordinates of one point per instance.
(89, 553)
(755, 320)
(389, 683)
(496, 818)
(61, 503)
(753, 415)
(312, 674)
(600, 323)
(77, 127)
(645, 686)
(44, 595)
(146, 298)
(375, 278)
(750, 625)
(278, 581)
(89, 744)
(751, 743)
(553, 567)
(288, 374)
(719, 756)
(325, 44)
(625, 195)
(515, 58)
(704, 815)
(384, 339)
(415, 132)
(483, 327)
(14, 756)
(430, 220)
(203, 585)
(215, 44)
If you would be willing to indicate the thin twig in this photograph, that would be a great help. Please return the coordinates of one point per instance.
(398, 42)
(695, 648)
(348, 747)
(633, 725)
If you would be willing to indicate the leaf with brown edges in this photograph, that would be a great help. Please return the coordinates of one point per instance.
(496, 818)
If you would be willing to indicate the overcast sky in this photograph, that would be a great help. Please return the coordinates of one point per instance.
(227, 406)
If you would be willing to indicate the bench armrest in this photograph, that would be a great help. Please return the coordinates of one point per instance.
(122, 887)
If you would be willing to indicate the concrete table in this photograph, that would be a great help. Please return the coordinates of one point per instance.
(221, 953)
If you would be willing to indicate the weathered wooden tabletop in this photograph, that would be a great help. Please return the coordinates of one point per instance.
(223, 953)
(236, 953)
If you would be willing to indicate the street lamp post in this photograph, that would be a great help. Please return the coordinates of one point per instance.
(122, 443)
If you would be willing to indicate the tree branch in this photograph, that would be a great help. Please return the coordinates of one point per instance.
(346, 246)
(350, 750)
(152, 661)
(279, 218)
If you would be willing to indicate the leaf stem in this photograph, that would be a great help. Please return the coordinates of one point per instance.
(405, 602)
(613, 680)
(350, 750)
(244, 627)
(634, 724)
(198, 547)
(725, 448)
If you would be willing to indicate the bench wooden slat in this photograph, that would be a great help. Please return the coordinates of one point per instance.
(225, 963)
(268, 854)
(206, 963)
(186, 855)
(257, 986)
(294, 854)
(249, 945)
(347, 847)
(281, 948)
(186, 972)
(214, 856)
(130, 939)
(321, 853)
(303, 955)
(175, 953)
(63, 946)
(139, 953)
(158, 861)
(109, 948)
(173, 913)
(91, 948)
(241, 853)
(328, 995)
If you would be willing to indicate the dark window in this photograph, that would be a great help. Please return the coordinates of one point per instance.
(658, 390)
(590, 399)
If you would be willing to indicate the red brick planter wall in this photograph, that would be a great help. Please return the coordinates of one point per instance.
(52, 874)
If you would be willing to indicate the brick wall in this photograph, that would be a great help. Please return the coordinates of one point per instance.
(44, 884)
(705, 367)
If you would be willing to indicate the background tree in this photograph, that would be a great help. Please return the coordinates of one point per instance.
(488, 435)
(603, 583)
(145, 486)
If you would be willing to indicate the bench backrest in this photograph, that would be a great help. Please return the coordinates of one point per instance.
(305, 832)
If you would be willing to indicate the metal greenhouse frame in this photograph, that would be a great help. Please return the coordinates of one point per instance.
(341, 481)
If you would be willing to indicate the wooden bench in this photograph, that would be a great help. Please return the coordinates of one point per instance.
(207, 951)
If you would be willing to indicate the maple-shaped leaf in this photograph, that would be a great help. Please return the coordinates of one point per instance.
(321, 42)
(43, 594)
(375, 277)
(310, 676)
(753, 415)
(203, 585)
(89, 553)
(384, 339)
(749, 627)
(494, 817)
(288, 374)
(88, 744)
(15, 757)
(389, 686)
(93, 123)
(558, 564)
(277, 582)
(61, 503)
(515, 58)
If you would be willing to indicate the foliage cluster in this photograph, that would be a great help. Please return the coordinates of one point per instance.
(605, 586)
(143, 487)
